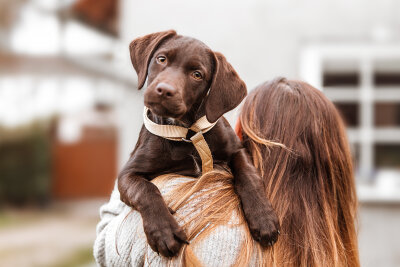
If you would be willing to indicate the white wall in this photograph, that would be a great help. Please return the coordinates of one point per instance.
(262, 38)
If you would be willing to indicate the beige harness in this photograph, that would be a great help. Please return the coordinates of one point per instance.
(179, 133)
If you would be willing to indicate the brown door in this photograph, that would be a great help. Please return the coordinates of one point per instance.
(87, 168)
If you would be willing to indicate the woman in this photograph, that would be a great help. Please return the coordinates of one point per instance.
(297, 141)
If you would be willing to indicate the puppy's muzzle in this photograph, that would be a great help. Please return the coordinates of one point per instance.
(165, 90)
(165, 99)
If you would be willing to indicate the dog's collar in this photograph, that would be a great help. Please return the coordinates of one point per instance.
(174, 132)
(178, 133)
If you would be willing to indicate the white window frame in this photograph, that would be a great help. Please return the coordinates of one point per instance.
(312, 58)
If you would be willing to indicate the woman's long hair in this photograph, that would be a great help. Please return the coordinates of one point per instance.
(310, 181)
(298, 143)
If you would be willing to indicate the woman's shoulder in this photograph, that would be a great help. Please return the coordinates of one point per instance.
(121, 239)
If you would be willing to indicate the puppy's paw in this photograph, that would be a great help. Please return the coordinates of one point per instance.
(264, 226)
(165, 236)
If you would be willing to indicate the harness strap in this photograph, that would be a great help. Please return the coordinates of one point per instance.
(204, 151)
(178, 133)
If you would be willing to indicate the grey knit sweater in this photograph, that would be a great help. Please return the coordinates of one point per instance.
(121, 241)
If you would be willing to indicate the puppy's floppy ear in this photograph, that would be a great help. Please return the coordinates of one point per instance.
(142, 50)
(227, 90)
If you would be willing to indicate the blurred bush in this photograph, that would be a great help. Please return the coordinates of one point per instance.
(25, 165)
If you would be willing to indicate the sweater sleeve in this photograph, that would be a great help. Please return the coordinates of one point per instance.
(121, 240)
(119, 235)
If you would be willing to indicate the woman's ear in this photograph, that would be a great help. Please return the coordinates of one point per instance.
(142, 50)
(238, 129)
(227, 90)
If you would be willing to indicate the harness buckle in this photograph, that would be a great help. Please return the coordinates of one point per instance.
(186, 140)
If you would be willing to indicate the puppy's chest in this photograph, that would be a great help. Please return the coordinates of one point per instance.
(186, 152)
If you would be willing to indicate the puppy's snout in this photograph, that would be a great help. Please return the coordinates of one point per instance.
(165, 90)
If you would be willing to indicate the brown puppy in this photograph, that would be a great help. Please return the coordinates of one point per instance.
(187, 80)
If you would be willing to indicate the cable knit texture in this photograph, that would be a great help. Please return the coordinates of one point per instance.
(121, 241)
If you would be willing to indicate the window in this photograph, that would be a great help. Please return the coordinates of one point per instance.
(363, 81)
(386, 73)
(387, 156)
(387, 114)
(349, 113)
(341, 79)
(340, 74)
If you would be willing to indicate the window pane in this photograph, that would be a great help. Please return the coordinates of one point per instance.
(387, 156)
(349, 113)
(386, 79)
(387, 73)
(341, 73)
(387, 114)
(341, 79)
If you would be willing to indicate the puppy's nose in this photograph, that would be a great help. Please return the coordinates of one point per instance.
(164, 89)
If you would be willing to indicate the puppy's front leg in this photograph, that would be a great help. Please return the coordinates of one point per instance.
(163, 233)
(260, 216)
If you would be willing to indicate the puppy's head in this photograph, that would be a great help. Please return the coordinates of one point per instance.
(182, 74)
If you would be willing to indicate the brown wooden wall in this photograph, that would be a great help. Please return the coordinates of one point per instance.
(87, 168)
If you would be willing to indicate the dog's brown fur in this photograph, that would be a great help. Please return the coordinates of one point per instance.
(180, 71)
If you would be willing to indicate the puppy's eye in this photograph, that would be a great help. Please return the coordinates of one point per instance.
(197, 75)
(161, 59)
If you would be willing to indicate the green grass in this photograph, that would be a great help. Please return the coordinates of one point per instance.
(80, 258)
(10, 219)
(7, 220)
